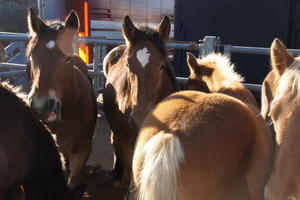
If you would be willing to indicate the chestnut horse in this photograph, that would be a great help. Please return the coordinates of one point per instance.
(28, 154)
(138, 77)
(61, 94)
(281, 101)
(197, 145)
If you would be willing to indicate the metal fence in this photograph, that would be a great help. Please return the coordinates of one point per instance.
(207, 45)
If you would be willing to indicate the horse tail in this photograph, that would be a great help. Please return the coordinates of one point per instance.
(155, 167)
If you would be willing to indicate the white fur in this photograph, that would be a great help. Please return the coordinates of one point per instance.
(52, 95)
(51, 44)
(224, 67)
(142, 56)
(39, 102)
(162, 154)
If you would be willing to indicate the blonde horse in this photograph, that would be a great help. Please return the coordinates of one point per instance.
(197, 145)
(281, 102)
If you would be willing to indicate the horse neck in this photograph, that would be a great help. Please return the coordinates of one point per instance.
(168, 87)
(46, 179)
(238, 91)
(72, 88)
(141, 102)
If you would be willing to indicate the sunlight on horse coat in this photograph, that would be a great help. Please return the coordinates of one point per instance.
(197, 145)
(138, 77)
(61, 94)
(281, 102)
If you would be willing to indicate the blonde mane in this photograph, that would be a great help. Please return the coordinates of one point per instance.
(224, 74)
(290, 80)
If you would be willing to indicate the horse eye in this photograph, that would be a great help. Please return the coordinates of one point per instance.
(68, 60)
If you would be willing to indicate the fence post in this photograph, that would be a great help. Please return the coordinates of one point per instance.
(96, 67)
(208, 45)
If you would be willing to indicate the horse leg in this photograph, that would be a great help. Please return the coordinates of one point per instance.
(118, 168)
(123, 154)
(118, 164)
(77, 160)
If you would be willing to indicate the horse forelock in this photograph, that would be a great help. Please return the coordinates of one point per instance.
(224, 70)
(146, 33)
(52, 28)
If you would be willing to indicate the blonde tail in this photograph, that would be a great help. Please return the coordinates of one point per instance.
(155, 168)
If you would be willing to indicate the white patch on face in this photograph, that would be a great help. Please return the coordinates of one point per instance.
(142, 56)
(50, 44)
(52, 95)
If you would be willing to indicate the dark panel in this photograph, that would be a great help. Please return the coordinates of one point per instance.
(244, 22)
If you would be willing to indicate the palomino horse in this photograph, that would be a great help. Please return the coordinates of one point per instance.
(28, 154)
(196, 145)
(138, 77)
(61, 94)
(281, 101)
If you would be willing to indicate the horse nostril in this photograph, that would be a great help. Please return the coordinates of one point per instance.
(51, 103)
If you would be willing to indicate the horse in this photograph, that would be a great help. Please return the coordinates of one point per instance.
(138, 76)
(28, 154)
(61, 94)
(280, 102)
(204, 145)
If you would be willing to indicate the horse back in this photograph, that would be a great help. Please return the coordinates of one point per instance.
(216, 132)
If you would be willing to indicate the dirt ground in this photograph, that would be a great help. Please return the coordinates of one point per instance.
(99, 166)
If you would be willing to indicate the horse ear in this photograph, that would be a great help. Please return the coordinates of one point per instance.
(128, 28)
(196, 68)
(72, 21)
(191, 61)
(281, 59)
(164, 29)
(64, 41)
(35, 24)
(66, 36)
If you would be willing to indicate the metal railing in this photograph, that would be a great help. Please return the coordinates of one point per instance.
(207, 45)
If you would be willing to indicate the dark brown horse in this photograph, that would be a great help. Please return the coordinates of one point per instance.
(28, 154)
(138, 77)
(197, 145)
(61, 94)
(281, 102)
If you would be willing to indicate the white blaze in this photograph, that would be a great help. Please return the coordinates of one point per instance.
(142, 56)
(50, 44)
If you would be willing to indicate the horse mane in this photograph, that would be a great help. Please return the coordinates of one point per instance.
(168, 68)
(148, 33)
(291, 76)
(224, 70)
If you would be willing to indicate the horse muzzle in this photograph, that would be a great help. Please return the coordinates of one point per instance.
(49, 112)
